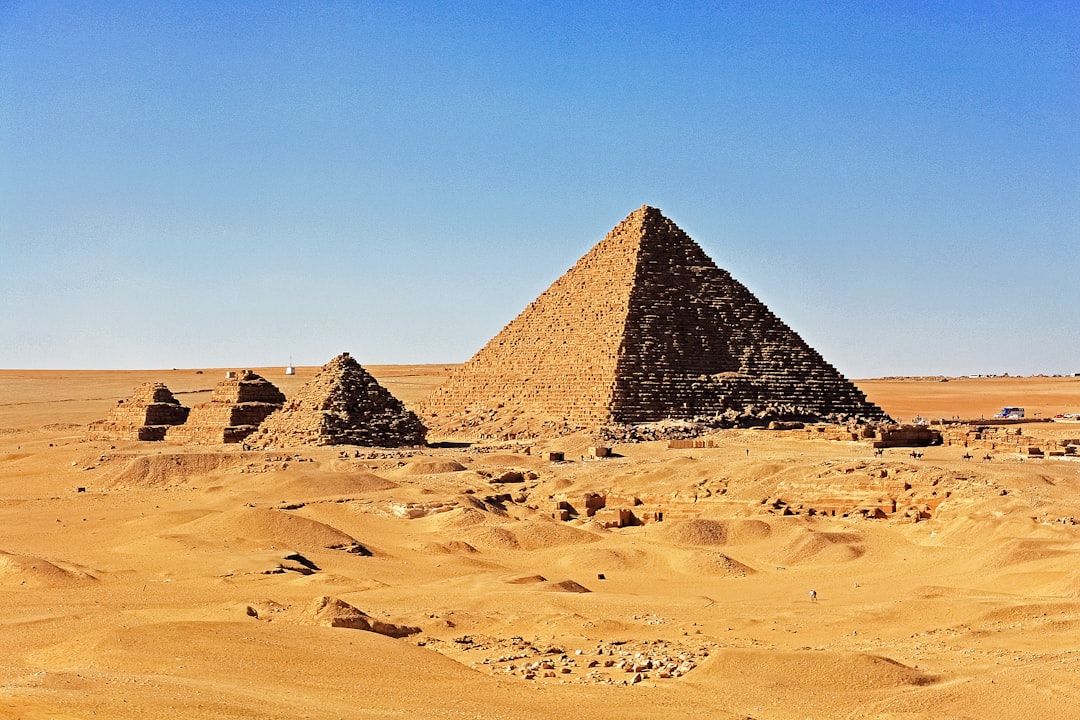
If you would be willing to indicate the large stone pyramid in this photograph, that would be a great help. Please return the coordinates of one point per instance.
(342, 405)
(146, 415)
(236, 408)
(644, 328)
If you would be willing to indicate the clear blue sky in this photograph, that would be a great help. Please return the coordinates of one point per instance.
(233, 184)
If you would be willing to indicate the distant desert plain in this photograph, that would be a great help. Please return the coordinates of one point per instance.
(155, 580)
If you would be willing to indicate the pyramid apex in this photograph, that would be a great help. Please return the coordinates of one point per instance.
(343, 360)
(647, 215)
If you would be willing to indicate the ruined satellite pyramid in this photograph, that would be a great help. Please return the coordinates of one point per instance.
(342, 405)
(146, 415)
(644, 328)
(237, 407)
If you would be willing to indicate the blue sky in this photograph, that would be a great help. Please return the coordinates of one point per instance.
(234, 184)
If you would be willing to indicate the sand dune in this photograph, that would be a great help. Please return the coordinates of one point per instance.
(263, 525)
(332, 485)
(715, 564)
(433, 467)
(144, 580)
(814, 546)
(702, 531)
(165, 469)
(19, 570)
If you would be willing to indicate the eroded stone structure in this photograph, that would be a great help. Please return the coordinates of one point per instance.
(645, 327)
(342, 405)
(239, 404)
(146, 415)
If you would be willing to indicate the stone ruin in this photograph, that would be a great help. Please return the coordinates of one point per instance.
(146, 415)
(644, 328)
(342, 405)
(239, 404)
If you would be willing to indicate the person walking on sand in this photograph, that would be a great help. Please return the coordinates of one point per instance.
(813, 596)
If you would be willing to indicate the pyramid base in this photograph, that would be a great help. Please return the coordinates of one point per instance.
(495, 427)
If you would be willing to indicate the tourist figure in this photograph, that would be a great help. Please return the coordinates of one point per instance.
(813, 596)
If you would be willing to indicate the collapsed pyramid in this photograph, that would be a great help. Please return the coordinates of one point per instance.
(342, 405)
(146, 415)
(645, 327)
(236, 408)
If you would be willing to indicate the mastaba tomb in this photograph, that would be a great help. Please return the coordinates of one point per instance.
(146, 415)
(342, 405)
(644, 328)
(235, 410)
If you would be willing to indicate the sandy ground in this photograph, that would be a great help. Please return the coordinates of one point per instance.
(182, 581)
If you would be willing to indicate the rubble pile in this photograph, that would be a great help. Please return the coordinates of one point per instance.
(607, 663)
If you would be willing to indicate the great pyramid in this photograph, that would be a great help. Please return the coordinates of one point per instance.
(644, 328)
(342, 405)
(146, 415)
(236, 408)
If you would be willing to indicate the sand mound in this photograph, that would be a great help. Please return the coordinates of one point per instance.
(462, 517)
(265, 525)
(747, 531)
(259, 609)
(169, 469)
(824, 546)
(508, 459)
(1020, 551)
(992, 526)
(16, 569)
(697, 532)
(433, 467)
(543, 534)
(527, 580)
(339, 484)
(332, 612)
(493, 538)
(1059, 613)
(453, 547)
(528, 535)
(457, 546)
(606, 559)
(700, 531)
(569, 586)
(797, 673)
(717, 565)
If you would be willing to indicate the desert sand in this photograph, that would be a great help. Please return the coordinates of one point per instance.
(154, 580)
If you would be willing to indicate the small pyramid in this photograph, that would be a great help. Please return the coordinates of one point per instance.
(342, 405)
(235, 410)
(146, 415)
(644, 328)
